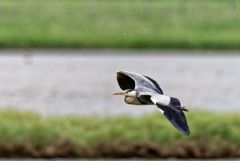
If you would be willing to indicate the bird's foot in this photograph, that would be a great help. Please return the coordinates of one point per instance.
(184, 109)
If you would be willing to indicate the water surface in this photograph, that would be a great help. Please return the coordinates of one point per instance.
(82, 82)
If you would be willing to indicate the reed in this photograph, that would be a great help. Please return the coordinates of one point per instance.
(120, 24)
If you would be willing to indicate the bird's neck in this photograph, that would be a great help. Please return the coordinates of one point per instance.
(132, 100)
(132, 94)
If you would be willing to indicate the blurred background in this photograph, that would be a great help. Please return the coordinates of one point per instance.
(58, 63)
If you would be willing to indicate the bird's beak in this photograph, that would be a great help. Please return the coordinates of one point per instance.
(119, 93)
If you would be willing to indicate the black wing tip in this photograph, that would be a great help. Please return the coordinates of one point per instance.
(187, 133)
(123, 72)
(125, 81)
(185, 130)
(177, 120)
(119, 71)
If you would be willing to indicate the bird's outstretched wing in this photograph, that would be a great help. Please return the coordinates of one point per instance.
(129, 80)
(174, 114)
(155, 84)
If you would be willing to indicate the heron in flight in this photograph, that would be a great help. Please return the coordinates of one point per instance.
(143, 90)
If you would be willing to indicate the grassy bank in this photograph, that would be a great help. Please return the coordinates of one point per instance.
(120, 24)
(26, 134)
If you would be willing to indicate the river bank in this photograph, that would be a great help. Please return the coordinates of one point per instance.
(120, 24)
(27, 134)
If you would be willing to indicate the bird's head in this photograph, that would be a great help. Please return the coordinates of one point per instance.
(127, 92)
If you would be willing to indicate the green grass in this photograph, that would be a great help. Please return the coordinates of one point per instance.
(28, 127)
(120, 24)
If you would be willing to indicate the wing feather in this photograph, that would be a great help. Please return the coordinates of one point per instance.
(155, 84)
(176, 117)
(130, 80)
(174, 114)
(125, 81)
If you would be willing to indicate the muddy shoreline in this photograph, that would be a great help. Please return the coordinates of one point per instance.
(65, 149)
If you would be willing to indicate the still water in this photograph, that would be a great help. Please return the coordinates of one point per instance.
(82, 82)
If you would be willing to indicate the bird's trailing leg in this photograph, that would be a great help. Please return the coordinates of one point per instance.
(183, 108)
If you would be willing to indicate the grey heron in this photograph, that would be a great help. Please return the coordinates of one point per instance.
(143, 90)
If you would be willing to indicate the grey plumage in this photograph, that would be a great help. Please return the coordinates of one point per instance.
(143, 90)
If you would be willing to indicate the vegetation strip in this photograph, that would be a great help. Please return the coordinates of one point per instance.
(27, 134)
(120, 24)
